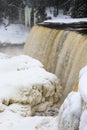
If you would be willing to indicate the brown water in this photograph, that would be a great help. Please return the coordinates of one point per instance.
(62, 52)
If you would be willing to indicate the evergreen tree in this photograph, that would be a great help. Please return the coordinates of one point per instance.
(79, 9)
(40, 14)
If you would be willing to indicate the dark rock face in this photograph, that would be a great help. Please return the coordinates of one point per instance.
(80, 27)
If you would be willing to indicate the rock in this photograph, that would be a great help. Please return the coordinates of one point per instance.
(24, 81)
(73, 112)
(70, 112)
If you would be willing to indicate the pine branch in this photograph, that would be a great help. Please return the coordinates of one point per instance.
(11, 5)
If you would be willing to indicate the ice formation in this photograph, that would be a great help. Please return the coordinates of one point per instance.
(70, 112)
(73, 112)
(25, 86)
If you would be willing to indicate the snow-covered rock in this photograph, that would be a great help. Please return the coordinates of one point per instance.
(83, 122)
(25, 86)
(73, 112)
(83, 84)
(70, 111)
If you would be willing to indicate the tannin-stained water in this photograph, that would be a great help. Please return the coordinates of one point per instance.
(62, 52)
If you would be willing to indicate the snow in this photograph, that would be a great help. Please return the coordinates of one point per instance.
(15, 63)
(22, 82)
(4, 56)
(83, 84)
(66, 20)
(73, 112)
(12, 121)
(23, 86)
(70, 111)
(61, 18)
(13, 34)
(83, 123)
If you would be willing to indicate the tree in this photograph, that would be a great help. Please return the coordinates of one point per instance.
(75, 8)
(79, 9)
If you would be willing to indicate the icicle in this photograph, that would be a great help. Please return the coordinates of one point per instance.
(35, 19)
(27, 16)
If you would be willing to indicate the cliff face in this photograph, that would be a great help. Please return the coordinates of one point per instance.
(62, 52)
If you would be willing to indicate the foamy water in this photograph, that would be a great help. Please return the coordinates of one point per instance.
(12, 49)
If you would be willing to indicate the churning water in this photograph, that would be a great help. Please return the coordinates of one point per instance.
(12, 49)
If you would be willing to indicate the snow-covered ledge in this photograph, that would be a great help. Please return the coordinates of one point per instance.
(73, 112)
(25, 86)
(70, 24)
(83, 93)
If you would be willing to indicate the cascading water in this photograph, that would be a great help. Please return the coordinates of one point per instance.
(62, 52)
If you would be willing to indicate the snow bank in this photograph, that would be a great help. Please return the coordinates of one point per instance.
(13, 34)
(83, 93)
(24, 82)
(73, 112)
(16, 63)
(12, 121)
(70, 111)
(26, 87)
(83, 84)
(83, 123)
(4, 56)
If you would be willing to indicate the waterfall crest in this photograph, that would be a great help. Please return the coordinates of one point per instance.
(62, 52)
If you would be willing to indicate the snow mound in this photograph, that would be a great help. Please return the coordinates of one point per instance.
(13, 34)
(4, 56)
(73, 112)
(17, 63)
(83, 123)
(83, 83)
(70, 111)
(24, 82)
(12, 121)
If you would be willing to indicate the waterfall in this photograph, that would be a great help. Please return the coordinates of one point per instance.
(62, 52)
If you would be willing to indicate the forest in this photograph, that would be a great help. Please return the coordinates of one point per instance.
(15, 10)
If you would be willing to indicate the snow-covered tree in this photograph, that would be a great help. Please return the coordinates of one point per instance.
(75, 8)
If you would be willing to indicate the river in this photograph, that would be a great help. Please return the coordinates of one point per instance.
(12, 49)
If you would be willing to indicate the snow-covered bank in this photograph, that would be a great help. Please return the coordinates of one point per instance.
(12, 121)
(13, 34)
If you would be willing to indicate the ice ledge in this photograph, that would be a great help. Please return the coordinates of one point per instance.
(78, 25)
